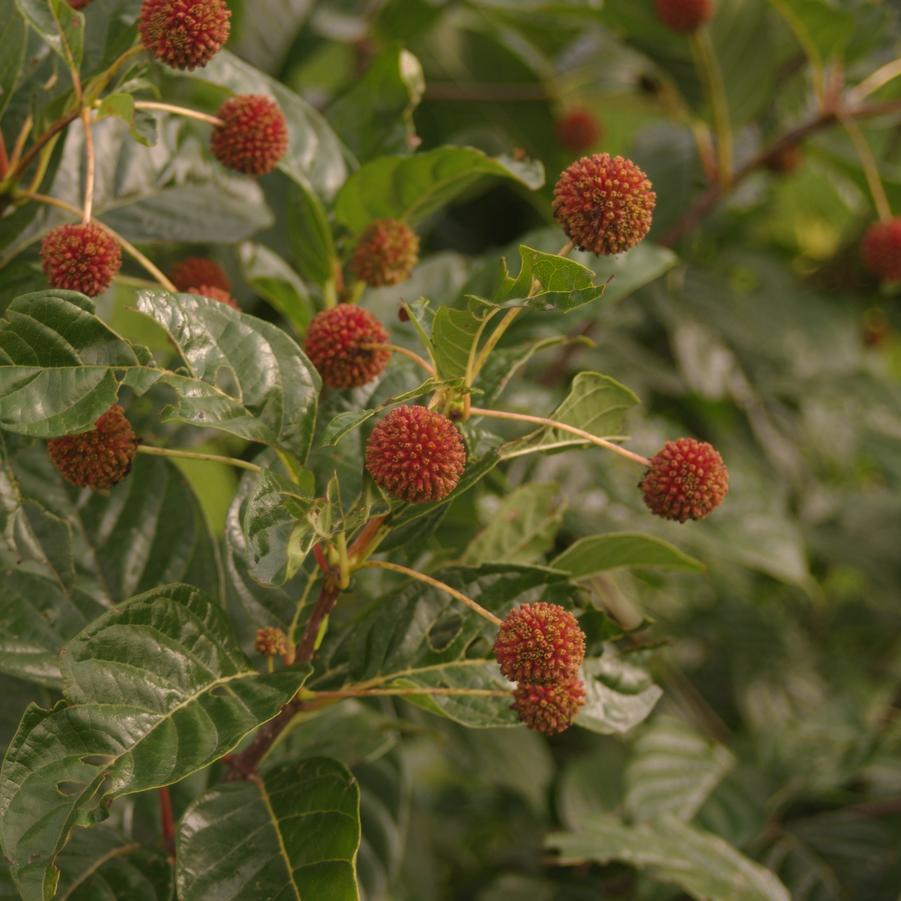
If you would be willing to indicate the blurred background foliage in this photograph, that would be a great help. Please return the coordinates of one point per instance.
(779, 727)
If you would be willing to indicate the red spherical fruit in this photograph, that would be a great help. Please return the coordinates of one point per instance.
(385, 254)
(335, 345)
(184, 34)
(416, 455)
(199, 271)
(687, 479)
(272, 642)
(215, 293)
(539, 643)
(881, 249)
(684, 16)
(79, 4)
(253, 136)
(80, 258)
(549, 708)
(99, 458)
(578, 130)
(604, 203)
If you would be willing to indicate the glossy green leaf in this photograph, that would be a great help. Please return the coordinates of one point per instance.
(453, 339)
(375, 116)
(672, 771)
(101, 864)
(155, 690)
(596, 403)
(618, 695)
(291, 833)
(520, 529)
(74, 554)
(277, 283)
(60, 26)
(226, 387)
(700, 863)
(823, 29)
(588, 556)
(58, 364)
(412, 187)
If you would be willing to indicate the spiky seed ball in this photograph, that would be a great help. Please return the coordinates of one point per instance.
(578, 130)
(272, 642)
(881, 249)
(604, 203)
(334, 344)
(253, 136)
(549, 708)
(785, 160)
(385, 254)
(199, 271)
(684, 16)
(416, 455)
(99, 458)
(687, 479)
(215, 293)
(184, 34)
(80, 258)
(539, 643)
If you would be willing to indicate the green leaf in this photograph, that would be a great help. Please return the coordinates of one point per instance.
(598, 553)
(421, 637)
(547, 281)
(672, 771)
(227, 387)
(101, 863)
(277, 283)
(596, 403)
(413, 187)
(60, 26)
(72, 554)
(279, 523)
(13, 41)
(701, 864)
(156, 690)
(57, 364)
(141, 125)
(521, 528)
(454, 334)
(292, 832)
(619, 695)
(625, 273)
(375, 116)
(823, 29)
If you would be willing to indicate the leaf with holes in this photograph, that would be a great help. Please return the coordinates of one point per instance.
(155, 690)
(292, 832)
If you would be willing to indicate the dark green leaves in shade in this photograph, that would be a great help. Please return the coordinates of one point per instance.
(155, 690)
(293, 832)
(412, 187)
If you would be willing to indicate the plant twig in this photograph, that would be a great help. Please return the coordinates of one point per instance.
(435, 583)
(166, 819)
(405, 352)
(195, 455)
(178, 111)
(869, 165)
(563, 427)
(89, 166)
(712, 77)
(421, 690)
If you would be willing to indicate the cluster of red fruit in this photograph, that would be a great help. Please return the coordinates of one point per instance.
(541, 648)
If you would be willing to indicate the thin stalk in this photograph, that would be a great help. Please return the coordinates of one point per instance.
(178, 111)
(19, 144)
(89, 166)
(366, 539)
(343, 563)
(869, 165)
(299, 607)
(441, 586)
(712, 77)
(401, 692)
(563, 427)
(195, 455)
(878, 79)
(167, 821)
(4, 159)
(404, 352)
(127, 246)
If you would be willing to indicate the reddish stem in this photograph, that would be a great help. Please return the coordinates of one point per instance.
(320, 559)
(4, 158)
(166, 818)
